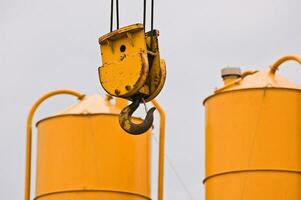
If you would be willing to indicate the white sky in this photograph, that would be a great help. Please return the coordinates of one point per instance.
(46, 45)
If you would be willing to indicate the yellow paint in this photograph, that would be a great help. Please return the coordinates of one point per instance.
(84, 154)
(157, 72)
(131, 63)
(280, 61)
(132, 69)
(253, 138)
(125, 65)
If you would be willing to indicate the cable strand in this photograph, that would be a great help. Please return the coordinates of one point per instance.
(112, 17)
(117, 13)
(171, 165)
(152, 15)
(144, 14)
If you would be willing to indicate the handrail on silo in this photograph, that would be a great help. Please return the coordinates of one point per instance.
(79, 95)
(275, 66)
(161, 149)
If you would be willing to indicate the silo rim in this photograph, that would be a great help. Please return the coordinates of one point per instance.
(79, 115)
(244, 89)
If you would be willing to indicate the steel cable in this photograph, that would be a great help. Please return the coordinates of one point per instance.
(144, 14)
(117, 13)
(152, 15)
(112, 17)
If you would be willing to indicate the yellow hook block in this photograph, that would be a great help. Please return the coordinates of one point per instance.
(125, 66)
(132, 69)
(131, 63)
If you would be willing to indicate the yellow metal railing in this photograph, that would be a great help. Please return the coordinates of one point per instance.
(29, 133)
(161, 150)
(275, 66)
(81, 96)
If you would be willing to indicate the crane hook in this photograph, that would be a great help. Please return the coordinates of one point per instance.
(130, 127)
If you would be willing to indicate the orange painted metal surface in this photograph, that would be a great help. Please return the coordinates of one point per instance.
(253, 138)
(90, 153)
(84, 154)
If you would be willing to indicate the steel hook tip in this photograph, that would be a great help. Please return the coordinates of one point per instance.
(133, 128)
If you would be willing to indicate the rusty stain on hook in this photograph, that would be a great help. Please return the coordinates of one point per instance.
(133, 128)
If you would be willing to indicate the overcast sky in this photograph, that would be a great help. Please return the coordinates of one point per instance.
(46, 45)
